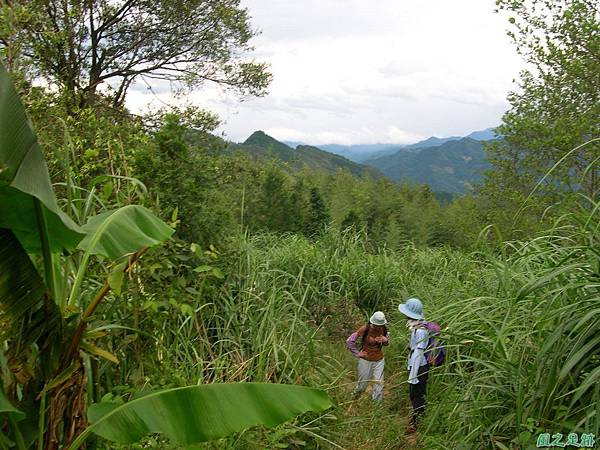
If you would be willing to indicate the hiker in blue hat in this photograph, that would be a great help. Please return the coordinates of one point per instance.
(418, 365)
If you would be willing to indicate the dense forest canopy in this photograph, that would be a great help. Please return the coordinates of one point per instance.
(554, 112)
(103, 47)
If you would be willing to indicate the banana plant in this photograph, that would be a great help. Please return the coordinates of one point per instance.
(47, 300)
(194, 414)
(48, 314)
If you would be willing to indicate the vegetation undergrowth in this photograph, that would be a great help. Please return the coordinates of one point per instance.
(266, 264)
(518, 323)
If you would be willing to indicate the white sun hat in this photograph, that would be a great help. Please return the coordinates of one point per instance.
(378, 318)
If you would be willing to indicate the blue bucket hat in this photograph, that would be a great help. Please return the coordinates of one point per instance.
(412, 308)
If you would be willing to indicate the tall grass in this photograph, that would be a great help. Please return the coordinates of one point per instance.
(525, 356)
(520, 324)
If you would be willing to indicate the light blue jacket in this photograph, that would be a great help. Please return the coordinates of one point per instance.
(419, 338)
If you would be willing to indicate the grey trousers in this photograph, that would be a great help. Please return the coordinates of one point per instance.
(370, 371)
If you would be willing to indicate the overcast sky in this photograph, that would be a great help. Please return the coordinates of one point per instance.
(371, 71)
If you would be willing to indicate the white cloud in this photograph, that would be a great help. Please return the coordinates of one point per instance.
(364, 71)
(391, 135)
(396, 135)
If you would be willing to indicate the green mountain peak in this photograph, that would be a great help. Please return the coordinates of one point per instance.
(262, 146)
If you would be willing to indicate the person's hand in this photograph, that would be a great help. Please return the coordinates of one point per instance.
(361, 354)
(381, 339)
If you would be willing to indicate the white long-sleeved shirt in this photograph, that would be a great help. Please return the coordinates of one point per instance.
(418, 343)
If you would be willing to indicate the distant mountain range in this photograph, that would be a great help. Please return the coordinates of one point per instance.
(448, 165)
(452, 166)
(261, 145)
(360, 153)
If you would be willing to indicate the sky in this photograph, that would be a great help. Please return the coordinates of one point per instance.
(369, 71)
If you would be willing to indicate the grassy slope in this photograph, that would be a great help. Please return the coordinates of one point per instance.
(523, 342)
(332, 276)
(519, 327)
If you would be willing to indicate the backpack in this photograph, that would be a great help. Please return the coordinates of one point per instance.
(364, 336)
(435, 351)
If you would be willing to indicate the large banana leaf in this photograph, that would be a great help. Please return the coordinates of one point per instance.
(195, 414)
(24, 180)
(122, 231)
(118, 233)
(21, 287)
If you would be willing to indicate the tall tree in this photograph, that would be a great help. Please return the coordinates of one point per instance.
(273, 201)
(396, 232)
(557, 106)
(352, 220)
(92, 46)
(317, 216)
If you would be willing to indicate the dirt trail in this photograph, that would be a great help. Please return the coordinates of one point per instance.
(364, 425)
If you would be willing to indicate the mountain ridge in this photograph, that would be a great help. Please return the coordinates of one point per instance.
(455, 166)
(361, 153)
(260, 145)
(452, 165)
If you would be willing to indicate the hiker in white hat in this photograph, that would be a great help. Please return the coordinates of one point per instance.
(374, 336)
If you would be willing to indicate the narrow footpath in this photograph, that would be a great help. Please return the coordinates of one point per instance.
(364, 425)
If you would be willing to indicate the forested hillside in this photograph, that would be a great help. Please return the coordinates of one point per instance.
(164, 288)
(453, 166)
(264, 147)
